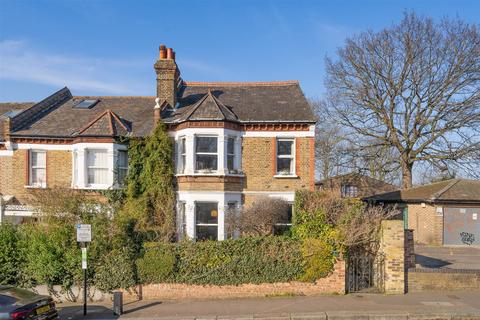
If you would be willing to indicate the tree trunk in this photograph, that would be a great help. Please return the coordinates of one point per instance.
(407, 179)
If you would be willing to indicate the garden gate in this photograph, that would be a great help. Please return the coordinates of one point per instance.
(365, 272)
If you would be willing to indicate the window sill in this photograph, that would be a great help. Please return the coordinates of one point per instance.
(214, 174)
(35, 187)
(95, 187)
(285, 176)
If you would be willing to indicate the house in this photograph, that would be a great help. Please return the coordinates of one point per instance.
(234, 142)
(354, 185)
(441, 213)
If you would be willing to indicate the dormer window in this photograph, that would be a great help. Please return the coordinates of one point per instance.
(206, 153)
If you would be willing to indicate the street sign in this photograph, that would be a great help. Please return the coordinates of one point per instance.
(84, 233)
(84, 258)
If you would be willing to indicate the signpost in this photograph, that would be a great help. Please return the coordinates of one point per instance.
(84, 236)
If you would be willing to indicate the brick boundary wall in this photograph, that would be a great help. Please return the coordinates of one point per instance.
(392, 246)
(332, 284)
(420, 279)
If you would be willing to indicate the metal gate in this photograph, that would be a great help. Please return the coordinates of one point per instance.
(365, 273)
(461, 226)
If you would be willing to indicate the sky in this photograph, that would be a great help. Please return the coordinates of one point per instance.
(108, 47)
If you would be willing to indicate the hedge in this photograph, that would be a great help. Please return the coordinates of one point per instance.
(229, 262)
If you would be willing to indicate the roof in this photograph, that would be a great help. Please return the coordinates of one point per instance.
(9, 109)
(281, 101)
(250, 102)
(208, 107)
(453, 190)
(106, 124)
(367, 185)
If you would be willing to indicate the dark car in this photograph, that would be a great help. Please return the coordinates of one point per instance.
(16, 303)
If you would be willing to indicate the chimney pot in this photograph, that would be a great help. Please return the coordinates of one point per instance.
(163, 52)
(170, 53)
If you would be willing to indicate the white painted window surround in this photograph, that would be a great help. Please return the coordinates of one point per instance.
(187, 200)
(191, 198)
(186, 160)
(101, 160)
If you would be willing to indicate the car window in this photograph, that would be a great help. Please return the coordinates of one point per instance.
(18, 294)
(7, 300)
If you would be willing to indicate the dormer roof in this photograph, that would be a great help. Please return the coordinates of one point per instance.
(106, 124)
(210, 108)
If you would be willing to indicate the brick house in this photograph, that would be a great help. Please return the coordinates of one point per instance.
(441, 213)
(354, 185)
(233, 142)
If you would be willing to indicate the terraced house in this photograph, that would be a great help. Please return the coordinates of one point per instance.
(234, 142)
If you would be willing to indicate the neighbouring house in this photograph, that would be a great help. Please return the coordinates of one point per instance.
(354, 185)
(234, 142)
(441, 213)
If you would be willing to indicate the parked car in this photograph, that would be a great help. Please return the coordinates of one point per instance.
(18, 304)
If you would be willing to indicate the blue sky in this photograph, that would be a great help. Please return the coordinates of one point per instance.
(108, 47)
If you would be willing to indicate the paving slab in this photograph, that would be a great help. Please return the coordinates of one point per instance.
(424, 306)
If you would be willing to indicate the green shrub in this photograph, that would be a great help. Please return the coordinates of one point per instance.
(10, 258)
(117, 271)
(319, 259)
(230, 262)
(51, 255)
(157, 264)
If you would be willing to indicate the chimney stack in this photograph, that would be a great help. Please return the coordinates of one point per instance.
(168, 76)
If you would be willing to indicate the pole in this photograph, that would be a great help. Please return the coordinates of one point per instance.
(84, 267)
(84, 292)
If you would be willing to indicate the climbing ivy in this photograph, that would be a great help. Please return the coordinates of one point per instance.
(149, 197)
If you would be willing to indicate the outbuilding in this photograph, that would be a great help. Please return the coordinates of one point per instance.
(441, 213)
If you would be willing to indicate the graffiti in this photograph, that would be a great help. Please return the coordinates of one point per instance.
(467, 238)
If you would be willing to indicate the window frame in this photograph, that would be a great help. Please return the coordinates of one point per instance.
(287, 225)
(205, 153)
(182, 219)
(232, 155)
(31, 168)
(120, 168)
(352, 191)
(206, 224)
(291, 156)
(88, 168)
(182, 155)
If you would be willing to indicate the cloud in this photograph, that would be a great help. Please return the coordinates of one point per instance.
(18, 61)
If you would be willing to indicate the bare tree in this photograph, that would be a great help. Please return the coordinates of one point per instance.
(330, 144)
(414, 87)
(258, 219)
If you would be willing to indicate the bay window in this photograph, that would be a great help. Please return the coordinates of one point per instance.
(97, 167)
(206, 220)
(206, 153)
(285, 157)
(38, 168)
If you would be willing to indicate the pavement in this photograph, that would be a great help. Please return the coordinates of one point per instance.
(445, 257)
(445, 305)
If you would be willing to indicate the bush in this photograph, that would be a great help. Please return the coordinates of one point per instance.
(10, 262)
(319, 259)
(51, 255)
(157, 265)
(116, 272)
(229, 262)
